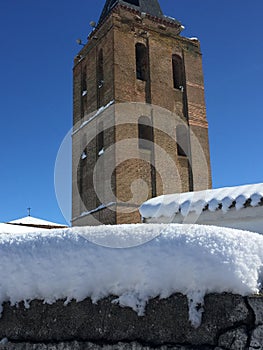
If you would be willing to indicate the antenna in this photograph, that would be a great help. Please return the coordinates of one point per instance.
(29, 211)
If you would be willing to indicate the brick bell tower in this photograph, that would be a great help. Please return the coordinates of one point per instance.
(140, 127)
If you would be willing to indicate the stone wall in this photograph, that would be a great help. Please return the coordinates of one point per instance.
(228, 322)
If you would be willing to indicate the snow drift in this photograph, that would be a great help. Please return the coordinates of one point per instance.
(190, 259)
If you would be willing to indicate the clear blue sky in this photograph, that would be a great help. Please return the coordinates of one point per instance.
(37, 50)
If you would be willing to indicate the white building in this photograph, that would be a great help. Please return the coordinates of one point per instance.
(238, 207)
(30, 221)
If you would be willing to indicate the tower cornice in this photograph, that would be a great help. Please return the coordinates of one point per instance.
(162, 19)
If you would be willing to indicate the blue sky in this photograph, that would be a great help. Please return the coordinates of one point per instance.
(38, 44)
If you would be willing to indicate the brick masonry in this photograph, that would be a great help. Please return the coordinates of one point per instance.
(116, 37)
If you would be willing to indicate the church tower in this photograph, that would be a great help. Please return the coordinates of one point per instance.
(140, 127)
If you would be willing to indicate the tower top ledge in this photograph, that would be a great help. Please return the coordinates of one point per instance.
(147, 7)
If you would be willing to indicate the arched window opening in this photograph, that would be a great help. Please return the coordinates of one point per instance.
(145, 132)
(100, 69)
(133, 2)
(141, 62)
(177, 72)
(182, 141)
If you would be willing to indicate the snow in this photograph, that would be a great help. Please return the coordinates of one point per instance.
(98, 112)
(30, 220)
(84, 155)
(132, 262)
(8, 229)
(101, 152)
(224, 198)
(170, 18)
(100, 207)
(84, 93)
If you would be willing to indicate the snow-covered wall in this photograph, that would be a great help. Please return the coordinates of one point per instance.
(239, 207)
(249, 219)
(134, 262)
(158, 285)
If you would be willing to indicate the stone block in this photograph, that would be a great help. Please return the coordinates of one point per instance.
(256, 304)
(234, 339)
(256, 342)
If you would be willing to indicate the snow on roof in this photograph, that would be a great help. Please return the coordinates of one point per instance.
(30, 220)
(222, 198)
(162, 260)
(16, 229)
